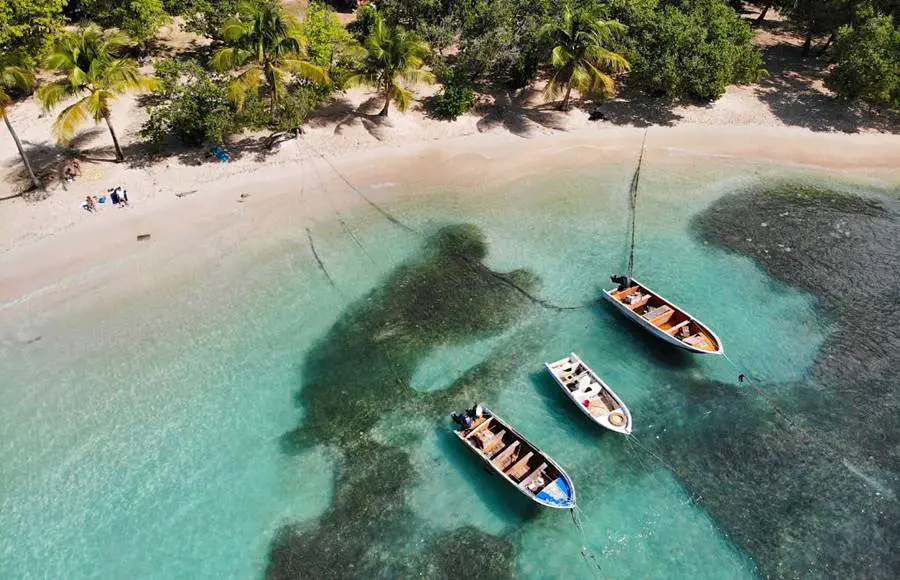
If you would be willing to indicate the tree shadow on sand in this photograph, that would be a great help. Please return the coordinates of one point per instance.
(793, 92)
(518, 113)
(345, 117)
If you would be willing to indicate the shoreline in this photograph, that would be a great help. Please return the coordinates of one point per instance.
(303, 190)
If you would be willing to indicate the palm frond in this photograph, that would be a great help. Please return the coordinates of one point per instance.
(307, 70)
(229, 58)
(416, 76)
(69, 119)
(246, 83)
(52, 93)
(16, 77)
(560, 57)
(97, 104)
(402, 97)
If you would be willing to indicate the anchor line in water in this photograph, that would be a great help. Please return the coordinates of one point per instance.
(396, 221)
(312, 246)
(340, 217)
(589, 558)
(824, 449)
(635, 181)
(390, 217)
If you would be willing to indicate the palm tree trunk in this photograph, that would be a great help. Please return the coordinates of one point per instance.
(387, 103)
(34, 179)
(119, 155)
(831, 39)
(762, 15)
(807, 44)
(564, 106)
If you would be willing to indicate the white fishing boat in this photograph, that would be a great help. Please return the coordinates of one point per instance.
(521, 463)
(662, 318)
(590, 394)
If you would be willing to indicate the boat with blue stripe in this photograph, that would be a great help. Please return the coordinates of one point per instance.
(521, 463)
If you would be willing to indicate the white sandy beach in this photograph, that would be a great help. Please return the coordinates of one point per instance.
(193, 209)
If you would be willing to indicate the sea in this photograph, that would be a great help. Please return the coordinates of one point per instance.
(283, 412)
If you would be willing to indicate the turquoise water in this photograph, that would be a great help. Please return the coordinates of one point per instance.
(209, 440)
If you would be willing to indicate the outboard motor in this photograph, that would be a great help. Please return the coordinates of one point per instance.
(458, 418)
(622, 281)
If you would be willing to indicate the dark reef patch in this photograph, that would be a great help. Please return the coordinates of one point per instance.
(359, 375)
(806, 478)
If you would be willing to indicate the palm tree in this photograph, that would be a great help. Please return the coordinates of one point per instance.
(13, 76)
(579, 59)
(393, 56)
(265, 46)
(94, 73)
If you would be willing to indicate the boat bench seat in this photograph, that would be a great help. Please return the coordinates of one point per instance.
(507, 456)
(479, 427)
(678, 327)
(659, 315)
(490, 445)
(519, 470)
(532, 476)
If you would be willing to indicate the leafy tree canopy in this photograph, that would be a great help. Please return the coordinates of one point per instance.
(868, 62)
(26, 26)
(139, 19)
(193, 106)
(328, 43)
(687, 49)
(205, 17)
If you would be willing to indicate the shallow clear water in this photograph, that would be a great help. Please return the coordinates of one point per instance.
(174, 457)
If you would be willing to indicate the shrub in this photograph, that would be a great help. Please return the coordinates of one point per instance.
(194, 108)
(687, 49)
(454, 99)
(868, 62)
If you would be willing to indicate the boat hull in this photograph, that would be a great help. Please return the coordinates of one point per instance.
(662, 335)
(624, 429)
(564, 479)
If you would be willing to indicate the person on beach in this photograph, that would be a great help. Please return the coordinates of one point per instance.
(90, 204)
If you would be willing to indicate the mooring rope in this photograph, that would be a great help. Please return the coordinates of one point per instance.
(635, 181)
(548, 304)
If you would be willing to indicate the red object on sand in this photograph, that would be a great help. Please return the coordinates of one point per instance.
(586, 403)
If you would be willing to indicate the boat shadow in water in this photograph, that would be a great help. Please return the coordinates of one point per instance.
(357, 401)
(493, 493)
(650, 346)
(573, 421)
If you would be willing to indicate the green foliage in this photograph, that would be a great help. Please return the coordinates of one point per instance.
(204, 17)
(15, 78)
(296, 107)
(88, 59)
(579, 56)
(457, 96)
(868, 62)
(265, 45)
(394, 56)
(26, 26)
(139, 19)
(194, 108)
(329, 45)
(687, 49)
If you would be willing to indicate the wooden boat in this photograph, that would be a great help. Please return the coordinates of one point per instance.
(521, 463)
(590, 394)
(662, 318)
